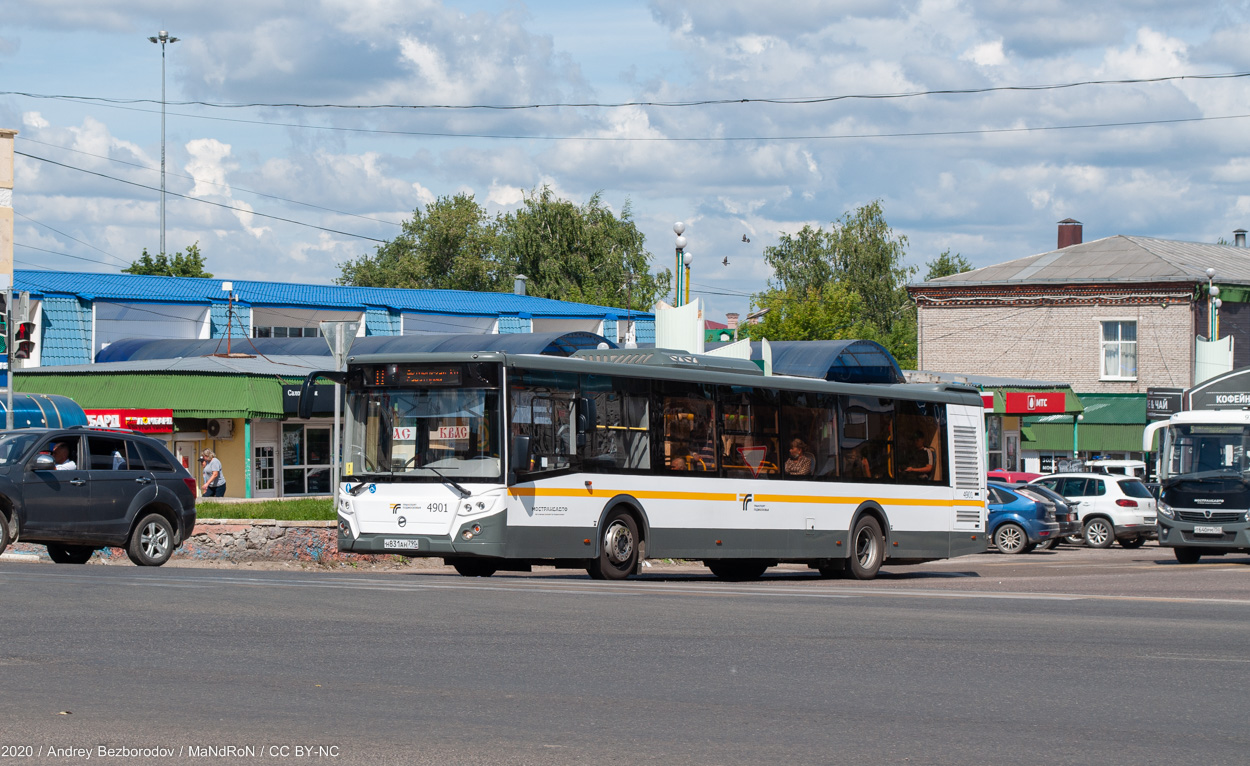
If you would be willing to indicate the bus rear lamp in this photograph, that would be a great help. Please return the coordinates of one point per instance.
(1124, 502)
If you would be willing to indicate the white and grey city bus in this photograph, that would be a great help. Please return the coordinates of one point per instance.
(1204, 482)
(497, 461)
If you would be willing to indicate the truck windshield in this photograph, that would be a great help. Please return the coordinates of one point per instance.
(1204, 448)
(424, 433)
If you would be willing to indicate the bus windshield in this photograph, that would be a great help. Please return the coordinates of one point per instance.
(1204, 448)
(425, 434)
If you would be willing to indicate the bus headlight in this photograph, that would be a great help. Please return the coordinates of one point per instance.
(346, 508)
(1166, 510)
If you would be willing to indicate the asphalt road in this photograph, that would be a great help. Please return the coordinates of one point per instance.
(1074, 657)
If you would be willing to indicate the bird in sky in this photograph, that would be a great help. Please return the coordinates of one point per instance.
(725, 262)
(745, 239)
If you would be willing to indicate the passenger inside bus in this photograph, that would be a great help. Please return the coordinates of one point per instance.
(801, 461)
(678, 464)
(921, 460)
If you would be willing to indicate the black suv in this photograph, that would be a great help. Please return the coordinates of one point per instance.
(77, 490)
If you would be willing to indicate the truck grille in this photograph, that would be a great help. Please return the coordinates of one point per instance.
(1217, 517)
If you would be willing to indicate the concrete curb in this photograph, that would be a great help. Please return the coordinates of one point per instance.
(240, 541)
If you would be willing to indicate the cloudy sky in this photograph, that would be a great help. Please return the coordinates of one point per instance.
(298, 189)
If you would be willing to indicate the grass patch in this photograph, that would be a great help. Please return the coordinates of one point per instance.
(303, 509)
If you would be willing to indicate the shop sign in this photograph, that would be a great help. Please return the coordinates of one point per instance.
(987, 401)
(1030, 402)
(323, 399)
(1161, 403)
(143, 421)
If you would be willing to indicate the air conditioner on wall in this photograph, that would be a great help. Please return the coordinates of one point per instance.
(220, 429)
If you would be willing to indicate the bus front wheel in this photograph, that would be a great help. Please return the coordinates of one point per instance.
(1187, 555)
(867, 549)
(618, 554)
(474, 567)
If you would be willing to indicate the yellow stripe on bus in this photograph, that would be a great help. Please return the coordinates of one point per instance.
(730, 497)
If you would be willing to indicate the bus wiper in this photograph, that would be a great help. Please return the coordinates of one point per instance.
(463, 492)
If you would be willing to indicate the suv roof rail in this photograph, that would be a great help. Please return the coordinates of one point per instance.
(107, 429)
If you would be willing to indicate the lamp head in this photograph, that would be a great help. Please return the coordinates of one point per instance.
(687, 258)
(681, 242)
(679, 228)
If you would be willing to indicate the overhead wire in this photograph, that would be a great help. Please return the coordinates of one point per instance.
(196, 199)
(211, 183)
(775, 100)
(698, 139)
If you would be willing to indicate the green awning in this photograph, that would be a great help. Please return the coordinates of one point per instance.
(1096, 437)
(1111, 409)
(189, 395)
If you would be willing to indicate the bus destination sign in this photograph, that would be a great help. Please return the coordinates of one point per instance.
(439, 376)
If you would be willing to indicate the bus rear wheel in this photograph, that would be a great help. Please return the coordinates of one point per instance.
(618, 553)
(475, 567)
(737, 571)
(867, 550)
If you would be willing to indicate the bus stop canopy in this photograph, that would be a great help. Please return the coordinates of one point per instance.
(550, 344)
(844, 361)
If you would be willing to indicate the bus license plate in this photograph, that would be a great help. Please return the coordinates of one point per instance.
(1208, 530)
(392, 544)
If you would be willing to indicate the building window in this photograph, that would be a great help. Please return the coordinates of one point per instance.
(305, 460)
(1119, 350)
(286, 332)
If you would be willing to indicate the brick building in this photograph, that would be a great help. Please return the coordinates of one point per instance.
(1116, 316)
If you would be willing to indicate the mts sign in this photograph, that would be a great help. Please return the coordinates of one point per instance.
(1030, 402)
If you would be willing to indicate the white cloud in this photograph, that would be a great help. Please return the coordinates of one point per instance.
(986, 54)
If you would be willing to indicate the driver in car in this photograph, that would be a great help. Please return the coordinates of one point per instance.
(60, 455)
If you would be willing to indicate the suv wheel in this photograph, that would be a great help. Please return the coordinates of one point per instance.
(1099, 533)
(70, 554)
(152, 541)
(4, 532)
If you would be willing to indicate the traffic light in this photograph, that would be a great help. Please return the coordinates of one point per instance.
(23, 340)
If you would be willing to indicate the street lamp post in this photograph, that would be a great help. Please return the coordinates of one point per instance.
(686, 259)
(1076, 421)
(678, 229)
(163, 38)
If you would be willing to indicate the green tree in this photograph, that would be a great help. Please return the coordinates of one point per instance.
(453, 245)
(831, 313)
(857, 266)
(946, 264)
(180, 264)
(584, 254)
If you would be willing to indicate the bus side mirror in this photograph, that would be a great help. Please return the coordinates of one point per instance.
(586, 418)
(520, 454)
(306, 390)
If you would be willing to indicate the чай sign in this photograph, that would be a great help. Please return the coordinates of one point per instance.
(1029, 402)
(143, 421)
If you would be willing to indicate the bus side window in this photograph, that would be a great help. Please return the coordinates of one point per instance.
(621, 435)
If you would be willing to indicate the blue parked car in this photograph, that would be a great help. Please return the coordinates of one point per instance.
(1019, 519)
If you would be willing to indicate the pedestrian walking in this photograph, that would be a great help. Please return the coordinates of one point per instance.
(214, 483)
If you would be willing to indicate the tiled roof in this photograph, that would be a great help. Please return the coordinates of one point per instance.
(1120, 258)
(131, 287)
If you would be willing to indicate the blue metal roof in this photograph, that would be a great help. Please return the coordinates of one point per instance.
(551, 344)
(140, 288)
(845, 361)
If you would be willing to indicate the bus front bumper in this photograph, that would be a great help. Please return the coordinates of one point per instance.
(1177, 534)
(478, 537)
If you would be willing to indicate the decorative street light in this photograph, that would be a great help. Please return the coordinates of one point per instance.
(163, 38)
(678, 229)
(686, 259)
